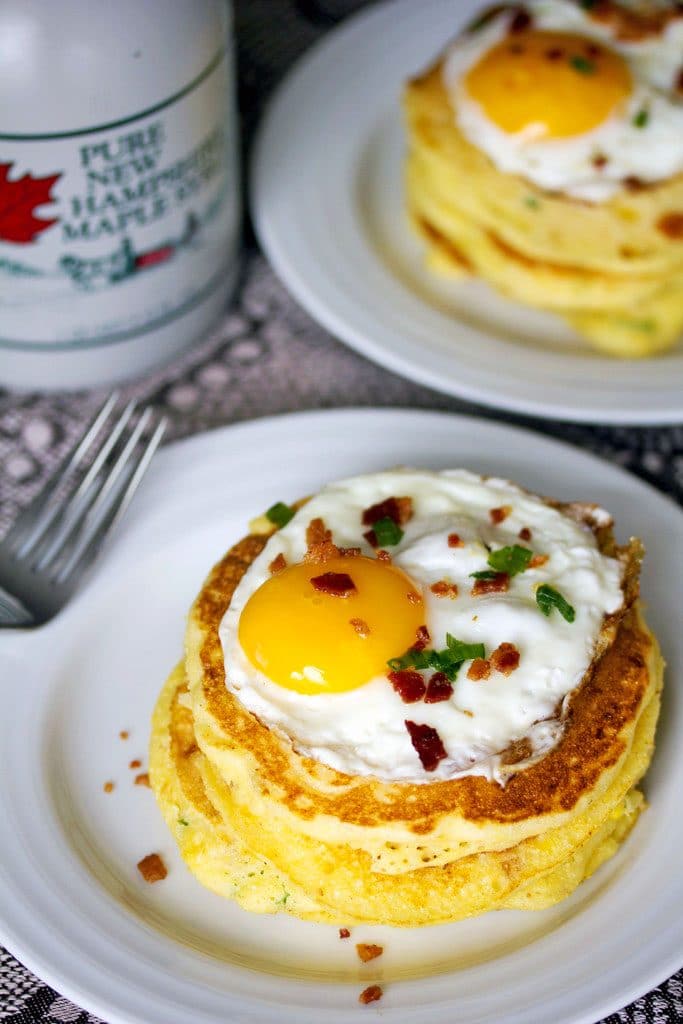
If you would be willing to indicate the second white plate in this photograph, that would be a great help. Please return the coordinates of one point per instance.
(328, 207)
(72, 904)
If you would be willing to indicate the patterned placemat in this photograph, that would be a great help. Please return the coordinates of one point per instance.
(267, 356)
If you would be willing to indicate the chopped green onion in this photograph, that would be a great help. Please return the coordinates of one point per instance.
(413, 658)
(511, 559)
(279, 514)
(641, 118)
(582, 65)
(183, 821)
(386, 531)
(532, 202)
(448, 661)
(484, 574)
(548, 598)
(646, 325)
(463, 651)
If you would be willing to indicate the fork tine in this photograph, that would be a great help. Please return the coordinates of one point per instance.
(73, 512)
(113, 499)
(140, 470)
(30, 517)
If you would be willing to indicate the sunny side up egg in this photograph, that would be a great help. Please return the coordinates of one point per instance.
(549, 93)
(315, 648)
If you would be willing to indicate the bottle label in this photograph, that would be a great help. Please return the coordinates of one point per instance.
(117, 229)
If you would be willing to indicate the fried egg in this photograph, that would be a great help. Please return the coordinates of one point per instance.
(308, 644)
(560, 95)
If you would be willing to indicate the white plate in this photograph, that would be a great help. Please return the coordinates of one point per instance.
(72, 904)
(328, 208)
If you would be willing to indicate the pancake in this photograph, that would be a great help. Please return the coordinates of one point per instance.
(206, 822)
(277, 830)
(264, 820)
(209, 844)
(613, 269)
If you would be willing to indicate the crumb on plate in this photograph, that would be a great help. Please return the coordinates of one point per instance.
(152, 868)
(370, 994)
(368, 951)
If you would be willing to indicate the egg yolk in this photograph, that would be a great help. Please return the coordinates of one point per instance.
(307, 640)
(553, 83)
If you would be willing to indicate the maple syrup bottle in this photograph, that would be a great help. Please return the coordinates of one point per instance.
(119, 196)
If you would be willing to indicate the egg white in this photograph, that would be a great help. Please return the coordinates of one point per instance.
(363, 731)
(652, 152)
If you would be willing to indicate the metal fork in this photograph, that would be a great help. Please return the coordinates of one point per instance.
(53, 543)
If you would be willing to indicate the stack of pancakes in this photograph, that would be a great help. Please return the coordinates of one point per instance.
(276, 831)
(613, 270)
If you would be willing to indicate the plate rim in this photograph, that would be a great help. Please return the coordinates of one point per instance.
(365, 336)
(268, 424)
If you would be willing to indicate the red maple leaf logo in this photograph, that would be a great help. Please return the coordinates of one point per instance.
(18, 200)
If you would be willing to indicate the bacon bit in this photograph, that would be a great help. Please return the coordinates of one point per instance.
(633, 184)
(361, 627)
(317, 533)
(337, 584)
(554, 53)
(278, 564)
(413, 597)
(371, 994)
(427, 744)
(124, 734)
(497, 515)
(592, 50)
(344, 933)
(368, 951)
(321, 553)
(135, 764)
(505, 658)
(439, 688)
(409, 685)
(349, 552)
(320, 547)
(524, 533)
(382, 555)
(422, 638)
(671, 225)
(152, 868)
(108, 787)
(599, 161)
(521, 21)
(536, 561)
(443, 589)
(405, 510)
(400, 510)
(143, 780)
(455, 541)
(518, 751)
(498, 584)
(479, 669)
